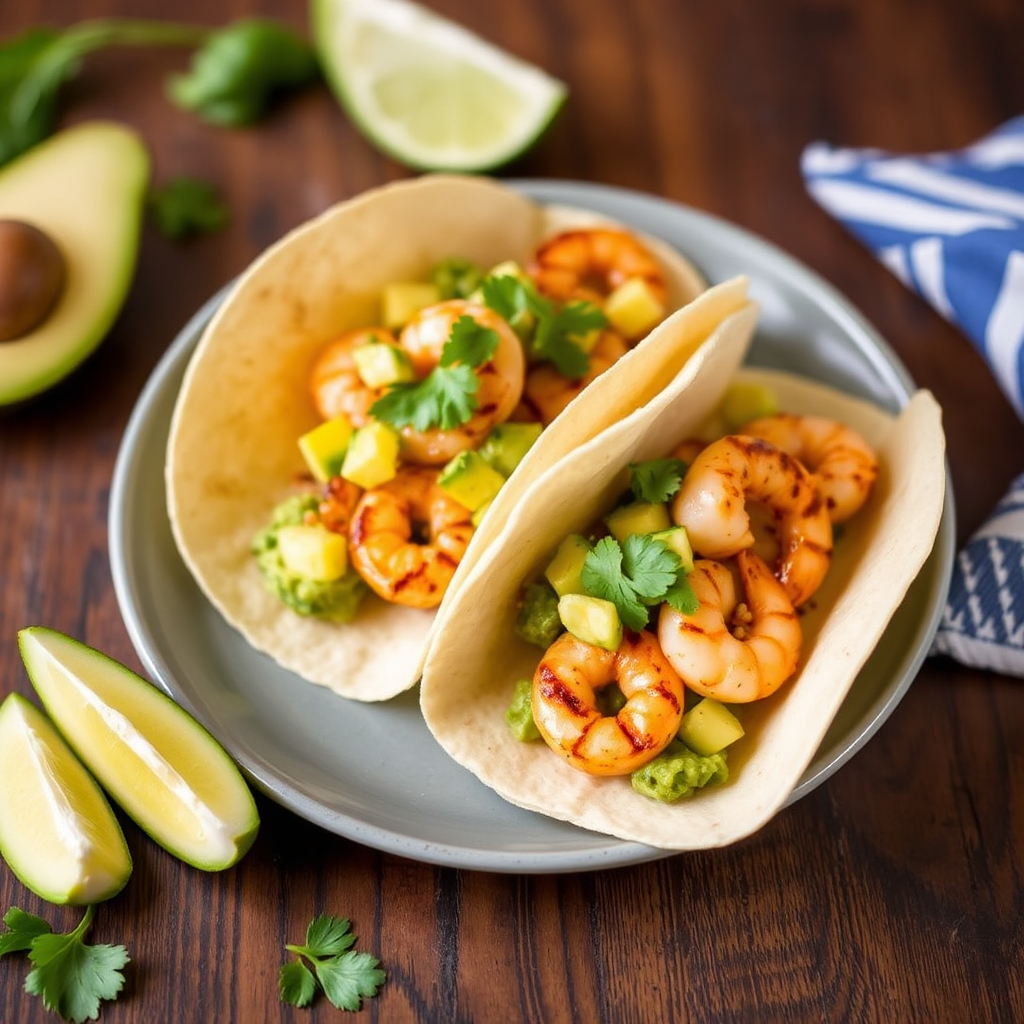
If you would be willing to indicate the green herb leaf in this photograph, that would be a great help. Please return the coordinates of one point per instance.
(445, 398)
(681, 597)
(345, 976)
(350, 978)
(469, 343)
(656, 480)
(185, 207)
(555, 330)
(241, 68)
(296, 984)
(638, 573)
(72, 977)
(22, 929)
(604, 576)
(35, 64)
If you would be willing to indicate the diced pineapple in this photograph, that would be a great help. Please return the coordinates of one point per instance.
(565, 571)
(313, 551)
(638, 517)
(678, 540)
(372, 456)
(744, 402)
(709, 726)
(478, 513)
(402, 300)
(324, 447)
(379, 364)
(633, 308)
(470, 480)
(592, 620)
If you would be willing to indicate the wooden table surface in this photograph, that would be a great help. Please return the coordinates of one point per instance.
(894, 892)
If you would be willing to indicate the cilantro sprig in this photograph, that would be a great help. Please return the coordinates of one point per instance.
(634, 575)
(656, 480)
(345, 976)
(446, 397)
(555, 327)
(71, 976)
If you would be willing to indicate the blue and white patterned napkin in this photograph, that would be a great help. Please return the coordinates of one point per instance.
(951, 227)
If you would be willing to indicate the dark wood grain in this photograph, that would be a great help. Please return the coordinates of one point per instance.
(892, 893)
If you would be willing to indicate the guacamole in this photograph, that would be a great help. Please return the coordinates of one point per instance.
(335, 600)
(677, 772)
(538, 621)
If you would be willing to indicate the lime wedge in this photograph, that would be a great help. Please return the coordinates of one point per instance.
(428, 92)
(57, 831)
(156, 761)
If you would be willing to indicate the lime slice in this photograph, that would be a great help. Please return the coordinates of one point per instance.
(428, 92)
(156, 761)
(57, 831)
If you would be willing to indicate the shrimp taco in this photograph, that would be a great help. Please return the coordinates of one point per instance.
(364, 409)
(654, 661)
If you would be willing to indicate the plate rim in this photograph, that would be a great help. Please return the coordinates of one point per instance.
(613, 852)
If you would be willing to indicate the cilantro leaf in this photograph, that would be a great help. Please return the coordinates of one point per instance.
(349, 978)
(656, 480)
(650, 566)
(296, 984)
(554, 332)
(445, 398)
(603, 576)
(185, 207)
(469, 343)
(681, 596)
(22, 929)
(71, 976)
(345, 976)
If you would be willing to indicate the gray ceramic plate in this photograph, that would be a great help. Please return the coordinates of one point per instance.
(373, 772)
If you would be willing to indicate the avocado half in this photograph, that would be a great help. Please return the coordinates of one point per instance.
(85, 187)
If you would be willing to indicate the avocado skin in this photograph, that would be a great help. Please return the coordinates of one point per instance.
(85, 187)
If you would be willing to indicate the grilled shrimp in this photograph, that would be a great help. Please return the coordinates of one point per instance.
(711, 504)
(590, 263)
(842, 463)
(566, 713)
(335, 383)
(383, 531)
(547, 392)
(500, 378)
(735, 647)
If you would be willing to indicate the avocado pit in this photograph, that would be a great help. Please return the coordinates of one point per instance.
(32, 272)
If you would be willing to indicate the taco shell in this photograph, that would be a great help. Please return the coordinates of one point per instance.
(470, 672)
(232, 454)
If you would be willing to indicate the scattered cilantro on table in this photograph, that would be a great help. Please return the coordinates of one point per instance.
(344, 975)
(71, 976)
(446, 397)
(555, 328)
(186, 207)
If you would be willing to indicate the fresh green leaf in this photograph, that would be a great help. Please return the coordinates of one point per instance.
(456, 278)
(634, 575)
(345, 976)
(656, 480)
(603, 576)
(350, 978)
(470, 344)
(241, 68)
(72, 977)
(185, 207)
(328, 936)
(553, 336)
(22, 929)
(650, 566)
(681, 596)
(296, 983)
(35, 64)
(445, 398)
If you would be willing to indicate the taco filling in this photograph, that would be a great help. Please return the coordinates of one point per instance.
(683, 601)
(375, 392)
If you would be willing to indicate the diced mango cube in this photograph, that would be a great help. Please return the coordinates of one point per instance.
(402, 300)
(470, 480)
(372, 456)
(633, 308)
(313, 551)
(324, 447)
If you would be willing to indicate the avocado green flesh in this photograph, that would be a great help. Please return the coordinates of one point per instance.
(85, 187)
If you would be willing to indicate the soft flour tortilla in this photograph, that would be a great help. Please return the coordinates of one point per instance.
(232, 454)
(469, 676)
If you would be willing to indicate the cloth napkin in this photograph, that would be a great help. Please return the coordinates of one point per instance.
(950, 226)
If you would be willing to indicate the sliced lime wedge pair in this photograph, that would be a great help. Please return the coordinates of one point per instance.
(427, 91)
(105, 724)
